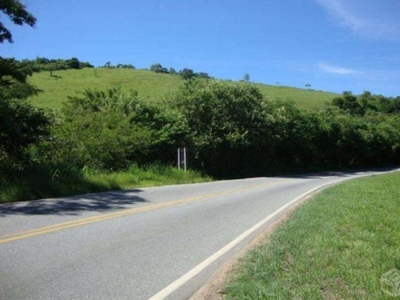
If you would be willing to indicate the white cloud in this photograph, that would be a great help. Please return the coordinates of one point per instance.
(366, 18)
(335, 70)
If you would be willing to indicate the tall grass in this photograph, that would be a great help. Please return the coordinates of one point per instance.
(36, 182)
(337, 246)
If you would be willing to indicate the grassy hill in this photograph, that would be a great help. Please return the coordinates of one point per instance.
(150, 85)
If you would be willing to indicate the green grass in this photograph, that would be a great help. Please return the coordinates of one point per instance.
(307, 99)
(151, 86)
(41, 182)
(336, 246)
(56, 89)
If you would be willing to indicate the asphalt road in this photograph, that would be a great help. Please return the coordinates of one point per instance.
(159, 243)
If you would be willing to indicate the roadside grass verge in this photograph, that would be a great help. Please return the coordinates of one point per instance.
(336, 246)
(41, 182)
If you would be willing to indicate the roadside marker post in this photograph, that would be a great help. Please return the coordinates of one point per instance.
(182, 158)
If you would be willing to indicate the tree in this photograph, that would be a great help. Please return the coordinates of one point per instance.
(348, 102)
(18, 15)
(13, 75)
(187, 74)
(225, 120)
(246, 77)
(74, 63)
(158, 68)
(51, 67)
(203, 75)
(21, 124)
(13, 80)
(111, 130)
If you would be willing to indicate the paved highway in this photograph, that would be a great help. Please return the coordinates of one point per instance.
(158, 243)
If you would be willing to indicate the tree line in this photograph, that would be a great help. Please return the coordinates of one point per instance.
(40, 64)
(185, 73)
(230, 129)
(366, 104)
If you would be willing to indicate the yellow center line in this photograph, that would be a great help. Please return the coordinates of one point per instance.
(70, 224)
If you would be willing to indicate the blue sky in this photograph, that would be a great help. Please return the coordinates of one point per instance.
(334, 45)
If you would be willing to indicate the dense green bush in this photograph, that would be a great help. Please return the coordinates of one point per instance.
(366, 103)
(21, 126)
(225, 121)
(111, 130)
(235, 132)
(230, 129)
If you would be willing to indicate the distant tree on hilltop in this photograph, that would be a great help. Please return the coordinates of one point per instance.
(158, 68)
(186, 73)
(74, 63)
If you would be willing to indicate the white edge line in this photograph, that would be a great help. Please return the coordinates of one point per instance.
(200, 267)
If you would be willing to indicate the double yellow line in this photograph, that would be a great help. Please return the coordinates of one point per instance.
(61, 226)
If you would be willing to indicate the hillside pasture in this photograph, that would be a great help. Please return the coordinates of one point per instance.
(150, 86)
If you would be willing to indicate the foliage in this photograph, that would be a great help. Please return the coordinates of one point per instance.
(225, 121)
(45, 64)
(125, 66)
(13, 78)
(158, 68)
(74, 63)
(366, 103)
(18, 14)
(186, 74)
(21, 126)
(235, 132)
(231, 130)
(336, 246)
(45, 181)
(110, 130)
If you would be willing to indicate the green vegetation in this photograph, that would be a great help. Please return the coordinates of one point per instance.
(44, 64)
(18, 15)
(337, 246)
(232, 129)
(151, 86)
(36, 182)
(366, 104)
(303, 98)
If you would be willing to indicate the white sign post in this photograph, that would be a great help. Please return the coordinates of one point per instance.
(182, 158)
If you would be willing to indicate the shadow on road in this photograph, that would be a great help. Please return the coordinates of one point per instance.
(74, 205)
(344, 173)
